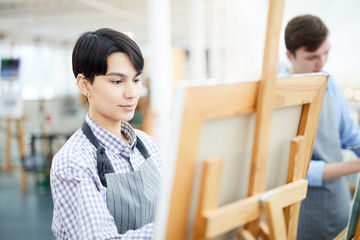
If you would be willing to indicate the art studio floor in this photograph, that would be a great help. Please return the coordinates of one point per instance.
(24, 215)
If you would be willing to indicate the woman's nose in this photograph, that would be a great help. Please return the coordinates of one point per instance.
(130, 90)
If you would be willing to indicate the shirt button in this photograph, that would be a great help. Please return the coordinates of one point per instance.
(116, 152)
(127, 149)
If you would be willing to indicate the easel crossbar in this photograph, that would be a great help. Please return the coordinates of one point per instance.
(236, 214)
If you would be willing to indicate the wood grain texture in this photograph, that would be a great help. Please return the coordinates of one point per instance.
(357, 232)
(185, 170)
(265, 104)
(209, 193)
(291, 193)
(265, 100)
(238, 213)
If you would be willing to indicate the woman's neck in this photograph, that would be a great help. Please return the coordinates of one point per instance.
(113, 127)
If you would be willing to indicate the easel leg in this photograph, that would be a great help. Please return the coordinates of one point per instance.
(8, 146)
(209, 194)
(357, 232)
(20, 135)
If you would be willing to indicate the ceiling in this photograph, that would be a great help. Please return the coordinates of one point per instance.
(62, 21)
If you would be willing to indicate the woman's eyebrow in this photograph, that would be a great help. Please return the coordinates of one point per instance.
(122, 74)
(117, 74)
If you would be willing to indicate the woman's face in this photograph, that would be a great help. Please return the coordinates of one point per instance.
(113, 97)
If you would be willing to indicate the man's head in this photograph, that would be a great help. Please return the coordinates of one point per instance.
(307, 44)
(92, 49)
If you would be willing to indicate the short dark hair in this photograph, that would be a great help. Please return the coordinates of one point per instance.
(91, 50)
(305, 31)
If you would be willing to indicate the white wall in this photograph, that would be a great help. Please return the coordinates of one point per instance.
(237, 33)
(45, 71)
(234, 35)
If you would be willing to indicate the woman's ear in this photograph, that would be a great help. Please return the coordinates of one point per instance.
(83, 84)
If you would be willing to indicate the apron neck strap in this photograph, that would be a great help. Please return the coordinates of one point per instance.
(90, 135)
(103, 163)
(141, 147)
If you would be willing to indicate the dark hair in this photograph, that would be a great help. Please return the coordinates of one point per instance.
(305, 31)
(91, 50)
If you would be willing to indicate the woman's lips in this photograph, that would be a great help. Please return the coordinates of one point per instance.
(128, 107)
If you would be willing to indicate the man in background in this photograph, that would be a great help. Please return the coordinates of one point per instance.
(325, 211)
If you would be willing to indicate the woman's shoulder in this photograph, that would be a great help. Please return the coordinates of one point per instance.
(143, 135)
(77, 152)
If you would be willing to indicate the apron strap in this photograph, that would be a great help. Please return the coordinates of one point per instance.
(141, 147)
(103, 163)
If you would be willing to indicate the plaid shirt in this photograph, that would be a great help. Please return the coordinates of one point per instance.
(80, 210)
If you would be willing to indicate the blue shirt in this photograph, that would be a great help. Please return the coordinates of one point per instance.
(348, 129)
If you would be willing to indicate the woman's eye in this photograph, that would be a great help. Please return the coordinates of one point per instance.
(117, 81)
(137, 80)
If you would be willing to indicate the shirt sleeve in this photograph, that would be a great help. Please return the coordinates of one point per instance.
(82, 210)
(315, 173)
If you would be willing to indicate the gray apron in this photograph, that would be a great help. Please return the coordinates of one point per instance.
(325, 211)
(131, 197)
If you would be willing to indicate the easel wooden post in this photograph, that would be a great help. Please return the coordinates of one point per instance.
(265, 103)
(19, 123)
(266, 99)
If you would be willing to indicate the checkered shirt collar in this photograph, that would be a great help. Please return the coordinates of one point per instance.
(108, 140)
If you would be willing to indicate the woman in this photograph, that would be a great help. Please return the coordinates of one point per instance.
(104, 180)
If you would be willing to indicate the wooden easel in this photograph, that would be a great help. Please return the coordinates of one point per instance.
(19, 123)
(352, 230)
(342, 235)
(221, 101)
(211, 218)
